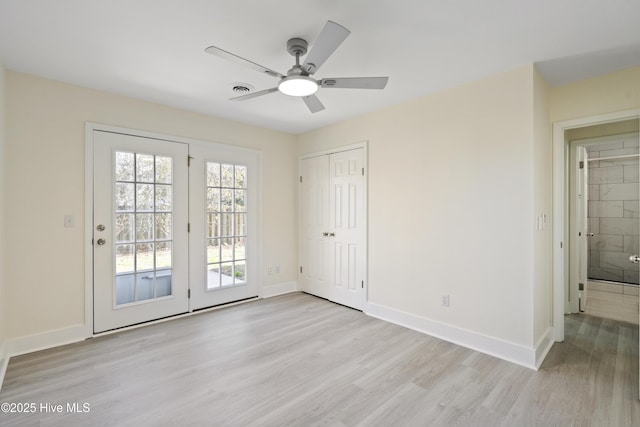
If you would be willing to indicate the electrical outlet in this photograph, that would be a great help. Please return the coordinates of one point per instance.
(444, 300)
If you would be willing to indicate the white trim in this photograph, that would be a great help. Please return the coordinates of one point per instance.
(4, 363)
(269, 291)
(511, 352)
(560, 209)
(543, 346)
(45, 340)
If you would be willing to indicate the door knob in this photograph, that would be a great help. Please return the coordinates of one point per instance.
(332, 234)
(100, 227)
(101, 242)
(634, 259)
(325, 234)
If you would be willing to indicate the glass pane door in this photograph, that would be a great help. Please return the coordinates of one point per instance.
(140, 229)
(224, 229)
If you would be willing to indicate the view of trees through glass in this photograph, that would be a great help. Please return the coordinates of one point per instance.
(143, 226)
(226, 213)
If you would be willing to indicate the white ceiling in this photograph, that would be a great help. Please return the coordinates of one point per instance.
(154, 49)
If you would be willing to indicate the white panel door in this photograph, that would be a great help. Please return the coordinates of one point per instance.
(346, 225)
(224, 225)
(333, 227)
(140, 235)
(314, 217)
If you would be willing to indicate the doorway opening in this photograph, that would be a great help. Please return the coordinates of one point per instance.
(604, 221)
(561, 210)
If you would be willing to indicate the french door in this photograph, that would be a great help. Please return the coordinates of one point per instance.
(174, 228)
(140, 235)
(332, 215)
(224, 226)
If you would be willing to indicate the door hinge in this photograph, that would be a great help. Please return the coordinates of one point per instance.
(362, 171)
(188, 293)
(300, 178)
(189, 158)
(581, 164)
(363, 284)
(300, 269)
(188, 227)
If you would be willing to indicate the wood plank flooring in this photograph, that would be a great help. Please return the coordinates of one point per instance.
(302, 361)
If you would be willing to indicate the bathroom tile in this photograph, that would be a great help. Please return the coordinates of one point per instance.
(593, 154)
(594, 192)
(594, 225)
(606, 209)
(610, 175)
(614, 145)
(615, 260)
(594, 259)
(617, 275)
(604, 242)
(631, 173)
(631, 142)
(631, 244)
(624, 226)
(594, 163)
(631, 290)
(631, 208)
(620, 191)
(619, 152)
(632, 276)
(604, 287)
(619, 162)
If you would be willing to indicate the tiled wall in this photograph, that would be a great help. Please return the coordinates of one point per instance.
(614, 211)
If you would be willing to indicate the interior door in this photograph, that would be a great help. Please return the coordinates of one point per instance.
(583, 227)
(223, 237)
(346, 227)
(332, 215)
(314, 217)
(140, 240)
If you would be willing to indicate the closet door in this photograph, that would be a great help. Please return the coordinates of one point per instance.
(333, 227)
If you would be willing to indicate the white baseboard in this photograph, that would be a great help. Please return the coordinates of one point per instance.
(45, 340)
(543, 346)
(23, 345)
(279, 289)
(511, 352)
(4, 362)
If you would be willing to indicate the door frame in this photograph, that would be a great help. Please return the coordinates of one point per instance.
(560, 255)
(364, 145)
(90, 127)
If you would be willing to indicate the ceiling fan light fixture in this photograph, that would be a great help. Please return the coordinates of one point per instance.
(298, 86)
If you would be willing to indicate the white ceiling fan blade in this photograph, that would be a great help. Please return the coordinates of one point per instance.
(221, 53)
(313, 103)
(254, 94)
(355, 82)
(331, 36)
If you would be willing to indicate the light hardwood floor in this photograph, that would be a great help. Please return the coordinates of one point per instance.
(300, 360)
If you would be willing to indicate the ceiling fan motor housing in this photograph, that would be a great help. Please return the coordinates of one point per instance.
(297, 47)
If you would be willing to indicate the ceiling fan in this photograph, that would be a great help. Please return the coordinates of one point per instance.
(299, 81)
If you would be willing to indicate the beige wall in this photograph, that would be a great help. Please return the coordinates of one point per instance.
(45, 142)
(452, 201)
(3, 305)
(542, 191)
(605, 94)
